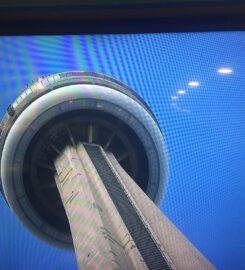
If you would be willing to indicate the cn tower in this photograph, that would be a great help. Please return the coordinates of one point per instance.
(79, 148)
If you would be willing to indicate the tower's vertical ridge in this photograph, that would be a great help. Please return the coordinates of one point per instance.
(176, 246)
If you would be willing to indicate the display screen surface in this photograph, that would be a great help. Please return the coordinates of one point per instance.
(194, 83)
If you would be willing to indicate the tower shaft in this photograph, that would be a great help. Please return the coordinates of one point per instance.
(114, 224)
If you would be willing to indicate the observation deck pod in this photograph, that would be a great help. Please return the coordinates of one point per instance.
(61, 110)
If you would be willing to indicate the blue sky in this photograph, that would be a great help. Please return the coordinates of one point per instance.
(200, 109)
